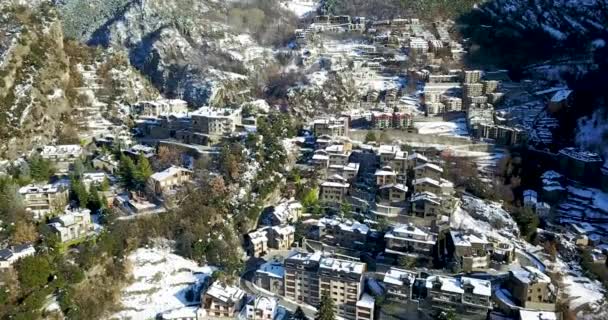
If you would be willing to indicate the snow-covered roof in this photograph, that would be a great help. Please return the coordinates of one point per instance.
(168, 173)
(561, 95)
(366, 301)
(399, 276)
(398, 186)
(581, 155)
(454, 285)
(430, 166)
(410, 232)
(216, 112)
(225, 293)
(284, 230)
(73, 150)
(425, 196)
(463, 238)
(340, 265)
(258, 236)
(426, 180)
(530, 274)
(272, 268)
(332, 184)
(180, 313)
(382, 172)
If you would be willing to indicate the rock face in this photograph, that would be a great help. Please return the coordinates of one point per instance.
(45, 80)
(185, 47)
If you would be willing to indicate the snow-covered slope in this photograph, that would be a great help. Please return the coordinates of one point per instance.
(161, 280)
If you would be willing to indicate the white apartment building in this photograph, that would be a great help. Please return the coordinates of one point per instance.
(74, 224)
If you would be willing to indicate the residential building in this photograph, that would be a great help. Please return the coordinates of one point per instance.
(12, 254)
(394, 193)
(106, 163)
(471, 251)
(280, 237)
(258, 242)
(398, 284)
(466, 296)
(74, 224)
(94, 179)
(425, 204)
(348, 172)
(261, 308)
(216, 121)
(62, 156)
(385, 175)
(530, 288)
(472, 76)
(222, 301)
(161, 107)
(333, 127)
(270, 276)
(334, 191)
(438, 187)
(345, 233)
(40, 200)
(410, 240)
(168, 180)
(429, 170)
(287, 211)
(308, 276)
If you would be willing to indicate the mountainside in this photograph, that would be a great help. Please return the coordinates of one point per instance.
(189, 49)
(46, 81)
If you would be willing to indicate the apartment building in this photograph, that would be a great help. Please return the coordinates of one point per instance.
(74, 224)
(398, 284)
(216, 121)
(286, 211)
(308, 276)
(280, 237)
(222, 302)
(261, 308)
(530, 288)
(410, 240)
(438, 187)
(468, 297)
(334, 190)
(40, 200)
(333, 127)
(348, 172)
(385, 175)
(429, 170)
(168, 180)
(472, 76)
(393, 193)
(425, 205)
(471, 251)
(258, 242)
(161, 107)
(270, 276)
(343, 232)
(62, 156)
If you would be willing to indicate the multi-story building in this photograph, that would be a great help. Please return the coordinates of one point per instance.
(287, 211)
(216, 121)
(425, 205)
(343, 232)
(410, 240)
(258, 242)
(261, 308)
(382, 120)
(270, 276)
(62, 156)
(532, 289)
(161, 107)
(74, 224)
(40, 200)
(472, 76)
(310, 276)
(168, 181)
(334, 191)
(466, 296)
(429, 170)
(333, 127)
(394, 193)
(385, 175)
(398, 284)
(348, 172)
(280, 237)
(471, 251)
(438, 187)
(222, 301)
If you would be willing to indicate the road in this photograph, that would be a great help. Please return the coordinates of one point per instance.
(249, 287)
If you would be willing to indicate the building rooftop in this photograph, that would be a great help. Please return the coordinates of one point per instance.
(431, 166)
(366, 301)
(215, 112)
(61, 150)
(529, 275)
(225, 293)
(273, 269)
(454, 285)
(537, 315)
(168, 173)
(340, 265)
(581, 155)
(399, 277)
(463, 238)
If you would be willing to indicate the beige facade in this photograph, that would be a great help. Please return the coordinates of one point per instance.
(280, 237)
(331, 127)
(465, 296)
(40, 200)
(532, 289)
(409, 239)
(216, 121)
(222, 301)
(258, 242)
(72, 225)
(168, 180)
(398, 284)
(334, 191)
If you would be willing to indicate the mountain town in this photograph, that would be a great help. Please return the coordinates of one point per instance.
(304, 159)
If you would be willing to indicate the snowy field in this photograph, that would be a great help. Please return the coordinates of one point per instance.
(161, 280)
(457, 127)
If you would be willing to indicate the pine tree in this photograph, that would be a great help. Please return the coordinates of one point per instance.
(126, 172)
(142, 172)
(79, 193)
(326, 309)
(94, 201)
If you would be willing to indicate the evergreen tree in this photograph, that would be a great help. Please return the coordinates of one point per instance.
(142, 172)
(126, 172)
(78, 168)
(370, 136)
(79, 193)
(94, 200)
(346, 210)
(40, 169)
(299, 314)
(326, 309)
